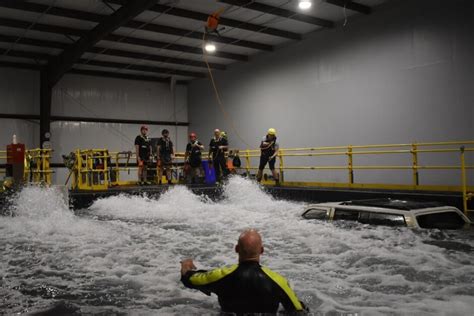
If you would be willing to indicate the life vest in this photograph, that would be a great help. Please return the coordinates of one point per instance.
(270, 149)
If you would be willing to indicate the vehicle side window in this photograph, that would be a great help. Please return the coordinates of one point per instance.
(315, 213)
(386, 219)
(345, 214)
(370, 218)
(445, 220)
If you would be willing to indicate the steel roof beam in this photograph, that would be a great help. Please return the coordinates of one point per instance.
(95, 73)
(124, 66)
(268, 9)
(25, 54)
(92, 62)
(199, 16)
(12, 64)
(157, 28)
(64, 62)
(351, 5)
(110, 52)
(117, 38)
(108, 74)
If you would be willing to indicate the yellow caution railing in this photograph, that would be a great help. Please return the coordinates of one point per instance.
(99, 169)
(412, 151)
(3, 159)
(37, 166)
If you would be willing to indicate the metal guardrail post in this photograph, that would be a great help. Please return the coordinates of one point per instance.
(463, 180)
(414, 153)
(282, 166)
(350, 164)
(247, 161)
(77, 184)
(106, 168)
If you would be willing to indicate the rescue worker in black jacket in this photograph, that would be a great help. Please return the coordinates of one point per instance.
(217, 148)
(193, 157)
(143, 152)
(269, 149)
(246, 287)
(165, 152)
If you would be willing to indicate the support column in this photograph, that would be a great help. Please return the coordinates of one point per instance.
(45, 108)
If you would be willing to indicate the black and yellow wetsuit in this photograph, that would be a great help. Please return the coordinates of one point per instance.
(246, 287)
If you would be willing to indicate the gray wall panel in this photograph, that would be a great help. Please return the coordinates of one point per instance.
(27, 132)
(19, 91)
(400, 75)
(77, 95)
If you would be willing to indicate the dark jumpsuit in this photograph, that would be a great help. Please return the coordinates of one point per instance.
(267, 152)
(144, 147)
(246, 287)
(166, 149)
(218, 157)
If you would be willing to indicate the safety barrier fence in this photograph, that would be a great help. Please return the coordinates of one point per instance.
(99, 169)
(3, 160)
(37, 166)
(36, 169)
(413, 150)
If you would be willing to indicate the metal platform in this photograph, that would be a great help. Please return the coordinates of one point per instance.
(83, 199)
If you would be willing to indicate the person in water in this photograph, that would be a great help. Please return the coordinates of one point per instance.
(165, 152)
(269, 149)
(143, 152)
(246, 287)
(217, 148)
(193, 157)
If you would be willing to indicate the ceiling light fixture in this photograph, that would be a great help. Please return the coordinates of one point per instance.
(210, 48)
(305, 4)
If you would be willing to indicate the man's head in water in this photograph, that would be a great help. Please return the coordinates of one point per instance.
(249, 246)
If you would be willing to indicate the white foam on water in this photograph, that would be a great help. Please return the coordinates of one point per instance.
(125, 255)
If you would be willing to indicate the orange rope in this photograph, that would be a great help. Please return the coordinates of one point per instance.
(218, 98)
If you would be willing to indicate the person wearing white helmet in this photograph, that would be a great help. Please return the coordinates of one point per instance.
(269, 150)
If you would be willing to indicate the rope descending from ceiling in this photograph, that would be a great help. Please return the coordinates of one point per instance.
(211, 26)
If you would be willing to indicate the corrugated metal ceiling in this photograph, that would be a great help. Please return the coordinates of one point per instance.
(163, 41)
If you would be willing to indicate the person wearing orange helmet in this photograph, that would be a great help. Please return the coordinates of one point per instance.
(143, 152)
(269, 150)
(193, 157)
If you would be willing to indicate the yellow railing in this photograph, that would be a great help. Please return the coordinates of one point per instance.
(37, 166)
(99, 169)
(413, 150)
(3, 159)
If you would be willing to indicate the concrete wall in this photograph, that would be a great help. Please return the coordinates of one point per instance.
(402, 74)
(91, 97)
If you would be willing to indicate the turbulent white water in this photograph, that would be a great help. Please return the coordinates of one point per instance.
(122, 256)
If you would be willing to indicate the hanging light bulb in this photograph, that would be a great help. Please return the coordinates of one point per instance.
(210, 47)
(305, 4)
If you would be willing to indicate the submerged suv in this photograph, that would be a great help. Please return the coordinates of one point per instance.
(390, 212)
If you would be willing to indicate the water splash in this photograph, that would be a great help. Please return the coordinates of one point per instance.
(123, 255)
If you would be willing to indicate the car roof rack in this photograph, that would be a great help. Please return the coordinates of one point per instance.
(404, 205)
